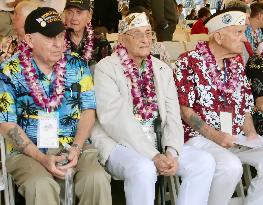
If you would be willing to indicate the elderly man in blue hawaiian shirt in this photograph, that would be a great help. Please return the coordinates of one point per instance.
(47, 99)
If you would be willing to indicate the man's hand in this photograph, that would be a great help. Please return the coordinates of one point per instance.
(49, 162)
(73, 157)
(173, 163)
(161, 163)
(224, 139)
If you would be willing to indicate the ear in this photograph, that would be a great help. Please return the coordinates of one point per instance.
(219, 38)
(29, 40)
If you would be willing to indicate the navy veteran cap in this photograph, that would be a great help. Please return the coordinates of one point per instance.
(44, 20)
(81, 4)
(225, 18)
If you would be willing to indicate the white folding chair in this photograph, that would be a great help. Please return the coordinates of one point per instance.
(112, 37)
(189, 46)
(199, 37)
(174, 49)
(180, 36)
(6, 183)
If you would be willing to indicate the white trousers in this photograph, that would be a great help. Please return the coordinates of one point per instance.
(229, 171)
(196, 168)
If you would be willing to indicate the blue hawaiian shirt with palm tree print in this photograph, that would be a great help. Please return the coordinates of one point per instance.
(254, 37)
(16, 104)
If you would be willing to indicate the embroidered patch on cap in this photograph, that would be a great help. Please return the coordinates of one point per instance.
(133, 20)
(44, 20)
(224, 19)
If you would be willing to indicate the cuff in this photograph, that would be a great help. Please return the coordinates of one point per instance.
(173, 152)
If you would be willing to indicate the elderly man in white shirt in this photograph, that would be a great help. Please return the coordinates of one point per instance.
(131, 88)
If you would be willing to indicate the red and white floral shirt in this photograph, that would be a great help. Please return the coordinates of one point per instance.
(205, 87)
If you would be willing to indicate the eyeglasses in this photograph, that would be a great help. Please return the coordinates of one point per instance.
(140, 35)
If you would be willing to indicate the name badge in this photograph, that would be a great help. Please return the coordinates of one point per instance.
(226, 120)
(47, 133)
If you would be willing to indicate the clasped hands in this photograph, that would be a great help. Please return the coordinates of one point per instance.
(166, 164)
(50, 162)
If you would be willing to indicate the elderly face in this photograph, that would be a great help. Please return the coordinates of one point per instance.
(138, 41)
(46, 49)
(18, 22)
(77, 19)
(233, 38)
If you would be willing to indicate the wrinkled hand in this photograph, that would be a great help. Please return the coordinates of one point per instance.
(49, 162)
(161, 163)
(173, 165)
(73, 157)
(224, 139)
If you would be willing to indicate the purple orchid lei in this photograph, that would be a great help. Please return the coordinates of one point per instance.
(232, 84)
(36, 91)
(144, 100)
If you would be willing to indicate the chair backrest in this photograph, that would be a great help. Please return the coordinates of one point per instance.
(7, 185)
(199, 37)
(190, 45)
(174, 49)
(112, 37)
(180, 36)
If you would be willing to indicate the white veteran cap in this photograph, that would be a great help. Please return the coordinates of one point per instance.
(133, 20)
(225, 18)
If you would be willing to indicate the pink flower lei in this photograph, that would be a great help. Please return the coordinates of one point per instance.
(232, 63)
(143, 89)
(88, 47)
(36, 91)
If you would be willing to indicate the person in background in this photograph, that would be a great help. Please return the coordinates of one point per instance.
(192, 15)
(6, 7)
(254, 71)
(199, 27)
(5, 18)
(216, 105)
(47, 100)
(79, 37)
(165, 18)
(9, 43)
(253, 32)
(181, 19)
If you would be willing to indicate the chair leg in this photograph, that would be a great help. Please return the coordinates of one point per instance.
(11, 190)
(172, 189)
(247, 175)
(240, 190)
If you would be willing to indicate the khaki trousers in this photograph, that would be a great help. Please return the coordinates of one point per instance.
(38, 186)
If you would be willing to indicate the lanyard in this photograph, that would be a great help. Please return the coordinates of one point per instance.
(225, 80)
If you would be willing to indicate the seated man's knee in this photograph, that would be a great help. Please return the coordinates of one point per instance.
(38, 183)
(201, 162)
(94, 174)
(232, 166)
(143, 168)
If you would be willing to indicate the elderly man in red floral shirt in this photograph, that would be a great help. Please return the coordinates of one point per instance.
(216, 102)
